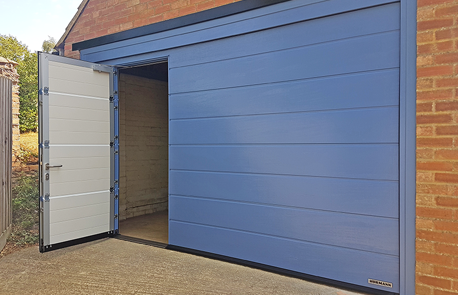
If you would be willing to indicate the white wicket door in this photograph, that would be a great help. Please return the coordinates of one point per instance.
(76, 150)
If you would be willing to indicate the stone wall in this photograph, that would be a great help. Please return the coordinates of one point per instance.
(8, 70)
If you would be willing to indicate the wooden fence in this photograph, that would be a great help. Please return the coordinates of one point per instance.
(5, 159)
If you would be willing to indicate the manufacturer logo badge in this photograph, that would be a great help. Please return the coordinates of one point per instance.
(380, 283)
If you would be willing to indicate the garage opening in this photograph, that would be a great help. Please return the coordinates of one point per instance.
(143, 141)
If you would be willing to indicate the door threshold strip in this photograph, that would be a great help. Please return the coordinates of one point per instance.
(141, 241)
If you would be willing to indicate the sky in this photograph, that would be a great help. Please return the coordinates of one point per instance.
(32, 21)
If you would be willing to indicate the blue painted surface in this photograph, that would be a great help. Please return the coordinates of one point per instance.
(407, 145)
(358, 232)
(361, 90)
(238, 24)
(287, 153)
(323, 160)
(359, 54)
(339, 27)
(342, 264)
(325, 112)
(366, 125)
(116, 147)
(320, 193)
(259, 136)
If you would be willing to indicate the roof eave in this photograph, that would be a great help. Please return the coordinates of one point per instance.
(186, 20)
(60, 43)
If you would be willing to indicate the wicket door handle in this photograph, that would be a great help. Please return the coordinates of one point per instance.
(47, 166)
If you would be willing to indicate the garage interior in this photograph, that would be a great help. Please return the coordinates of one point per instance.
(143, 141)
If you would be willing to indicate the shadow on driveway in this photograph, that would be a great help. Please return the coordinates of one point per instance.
(112, 266)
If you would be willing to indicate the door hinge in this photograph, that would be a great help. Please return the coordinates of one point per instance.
(100, 68)
(116, 216)
(47, 198)
(44, 91)
(111, 98)
(111, 189)
(111, 144)
(46, 144)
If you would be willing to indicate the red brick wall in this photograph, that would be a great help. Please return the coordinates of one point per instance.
(104, 17)
(437, 147)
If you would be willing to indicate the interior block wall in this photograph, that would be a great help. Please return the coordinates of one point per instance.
(437, 148)
(143, 146)
(104, 17)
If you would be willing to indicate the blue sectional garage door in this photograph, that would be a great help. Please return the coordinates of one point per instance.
(284, 146)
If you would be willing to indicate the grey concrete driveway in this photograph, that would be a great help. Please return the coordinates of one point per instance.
(111, 266)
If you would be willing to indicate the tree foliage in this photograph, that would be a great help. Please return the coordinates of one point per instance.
(27, 69)
(48, 45)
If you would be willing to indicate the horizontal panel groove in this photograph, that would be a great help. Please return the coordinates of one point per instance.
(375, 125)
(79, 145)
(356, 54)
(53, 131)
(81, 96)
(85, 157)
(105, 115)
(278, 206)
(286, 81)
(281, 113)
(277, 174)
(86, 68)
(285, 49)
(105, 213)
(82, 180)
(369, 233)
(103, 110)
(281, 144)
(70, 145)
(346, 160)
(278, 237)
(96, 120)
(76, 195)
(387, 70)
(333, 194)
(378, 88)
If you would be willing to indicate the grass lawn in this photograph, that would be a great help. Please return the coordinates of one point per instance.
(29, 147)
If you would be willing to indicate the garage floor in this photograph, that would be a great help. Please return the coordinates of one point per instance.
(152, 227)
(112, 266)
